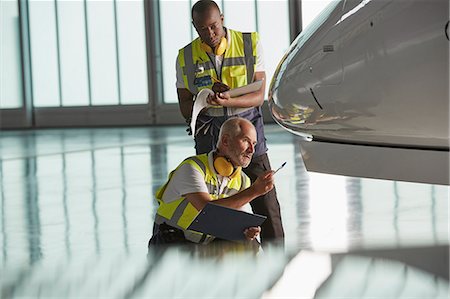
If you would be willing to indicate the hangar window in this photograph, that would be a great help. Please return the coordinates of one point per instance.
(112, 62)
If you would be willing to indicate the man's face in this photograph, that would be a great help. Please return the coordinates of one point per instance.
(209, 26)
(242, 147)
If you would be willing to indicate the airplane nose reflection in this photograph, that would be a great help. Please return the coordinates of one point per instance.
(77, 211)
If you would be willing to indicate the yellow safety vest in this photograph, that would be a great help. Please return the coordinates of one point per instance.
(181, 213)
(238, 64)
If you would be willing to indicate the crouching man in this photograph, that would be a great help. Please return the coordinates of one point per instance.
(214, 177)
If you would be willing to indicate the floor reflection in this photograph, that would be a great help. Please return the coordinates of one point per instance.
(87, 193)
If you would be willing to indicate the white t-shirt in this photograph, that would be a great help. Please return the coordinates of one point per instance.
(218, 62)
(187, 179)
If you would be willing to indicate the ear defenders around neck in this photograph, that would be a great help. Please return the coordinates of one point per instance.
(224, 167)
(219, 50)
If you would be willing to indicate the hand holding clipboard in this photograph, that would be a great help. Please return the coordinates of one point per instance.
(233, 223)
(219, 98)
(225, 223)
(201, 100)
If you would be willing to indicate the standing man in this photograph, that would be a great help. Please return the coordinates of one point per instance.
(234, 58)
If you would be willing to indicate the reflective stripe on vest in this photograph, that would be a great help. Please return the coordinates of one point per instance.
(180, 213)
(238, 65)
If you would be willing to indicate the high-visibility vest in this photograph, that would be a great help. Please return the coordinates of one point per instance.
(238, 64)
(181, 213)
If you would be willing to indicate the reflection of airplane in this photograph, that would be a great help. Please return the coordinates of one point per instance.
(367, 86)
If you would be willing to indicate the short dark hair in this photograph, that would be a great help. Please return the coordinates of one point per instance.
(202, 6)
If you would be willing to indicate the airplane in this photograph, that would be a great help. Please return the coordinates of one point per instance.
(366, 86)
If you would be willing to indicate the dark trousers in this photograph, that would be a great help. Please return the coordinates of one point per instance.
(165, 236)
(272, 228)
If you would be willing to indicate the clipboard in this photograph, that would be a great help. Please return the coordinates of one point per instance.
(201, 100)
(224, 223)
(252, 87)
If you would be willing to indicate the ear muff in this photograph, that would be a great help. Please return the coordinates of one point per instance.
(223, 166)
(219, 50)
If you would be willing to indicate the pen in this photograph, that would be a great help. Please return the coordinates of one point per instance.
(282, 165)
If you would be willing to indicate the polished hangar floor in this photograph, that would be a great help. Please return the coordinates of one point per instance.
(77, 210)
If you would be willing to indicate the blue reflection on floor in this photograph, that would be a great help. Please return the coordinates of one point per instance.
(86, 195)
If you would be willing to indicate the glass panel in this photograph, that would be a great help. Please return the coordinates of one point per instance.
(439, 212)
(132, 52)
(10, 77)
(176, 154)
(328, 217)
(175, 33)
(373, 207)
(79, 183)
(136, 171)
(410, 196)
(72, 37)
(13, 192)
(44, 56)
(290, 206)
(312, 26)
(102, 52)
(51, 208)
(240, 15)
(274, 35)
(108, 201)
(418, 212)
(310, 9)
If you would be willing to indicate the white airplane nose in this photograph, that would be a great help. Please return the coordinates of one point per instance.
(363, 75)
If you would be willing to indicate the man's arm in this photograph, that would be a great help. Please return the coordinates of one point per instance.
(262, 185)
(185, 102)
(253, 99)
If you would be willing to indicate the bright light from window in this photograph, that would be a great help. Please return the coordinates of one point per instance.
(10, 76)
(310, 10)
(328, 212)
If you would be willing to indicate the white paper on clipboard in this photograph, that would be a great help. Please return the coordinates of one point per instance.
(200, 101)
(199, 104)
(252, 87)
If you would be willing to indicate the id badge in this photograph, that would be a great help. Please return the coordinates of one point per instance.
(203, 81)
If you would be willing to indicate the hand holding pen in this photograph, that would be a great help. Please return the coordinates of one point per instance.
(279, 168)
(264, 183)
